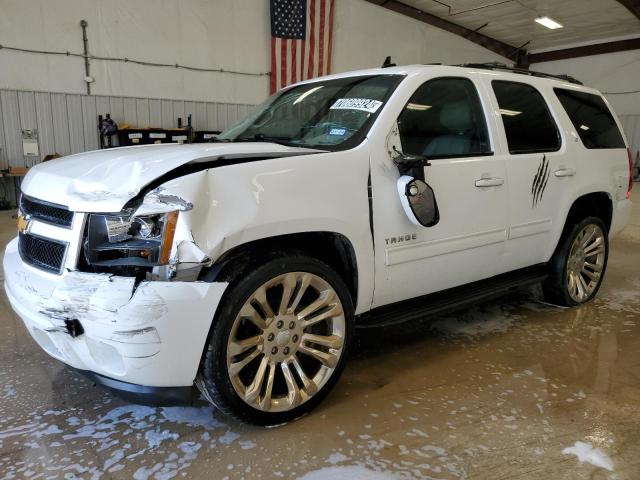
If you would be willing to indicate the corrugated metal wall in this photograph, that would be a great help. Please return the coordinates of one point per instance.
(67, 123)
(631, 126)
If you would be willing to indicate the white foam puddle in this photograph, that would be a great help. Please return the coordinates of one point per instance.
(77, 444)
(354, 472)
(586, 453)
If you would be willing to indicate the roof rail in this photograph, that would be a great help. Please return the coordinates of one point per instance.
(521, 71)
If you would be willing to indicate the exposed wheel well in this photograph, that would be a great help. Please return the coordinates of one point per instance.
(597, 204)
(332, 248)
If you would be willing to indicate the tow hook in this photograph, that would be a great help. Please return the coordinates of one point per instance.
(74, 328)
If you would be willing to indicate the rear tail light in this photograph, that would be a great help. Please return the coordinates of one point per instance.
(630, 173)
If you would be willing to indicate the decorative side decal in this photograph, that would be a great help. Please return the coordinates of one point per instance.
(540, 182)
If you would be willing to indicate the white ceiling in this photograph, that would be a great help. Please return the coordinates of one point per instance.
(511, 21)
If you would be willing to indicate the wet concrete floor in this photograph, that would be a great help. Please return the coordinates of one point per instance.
(512, 389)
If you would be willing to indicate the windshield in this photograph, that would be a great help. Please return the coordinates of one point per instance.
(329, 115)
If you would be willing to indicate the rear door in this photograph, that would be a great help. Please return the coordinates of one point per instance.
(540, 173)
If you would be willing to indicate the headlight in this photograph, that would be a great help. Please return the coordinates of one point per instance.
(127, 239)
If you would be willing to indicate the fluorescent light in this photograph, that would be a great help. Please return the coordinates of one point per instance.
(548, 22)
(417, 106)
(509, 113)
(584, 127)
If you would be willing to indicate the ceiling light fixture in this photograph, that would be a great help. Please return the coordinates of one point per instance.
(548, 22)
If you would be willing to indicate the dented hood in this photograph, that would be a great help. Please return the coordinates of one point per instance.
(104, 180)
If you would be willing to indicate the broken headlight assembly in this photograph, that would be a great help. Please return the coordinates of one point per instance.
(126, 239)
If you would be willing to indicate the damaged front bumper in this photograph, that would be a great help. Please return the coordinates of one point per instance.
(152, 335)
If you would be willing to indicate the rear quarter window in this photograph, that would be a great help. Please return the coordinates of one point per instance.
(591, 118)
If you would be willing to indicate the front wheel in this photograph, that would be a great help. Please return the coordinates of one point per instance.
(279, 342)
(578, 266)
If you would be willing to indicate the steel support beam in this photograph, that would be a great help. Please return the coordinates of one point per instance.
(585, 51)
(496, 46)
(632, 5)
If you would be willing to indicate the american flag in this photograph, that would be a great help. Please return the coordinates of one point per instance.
(301, 40)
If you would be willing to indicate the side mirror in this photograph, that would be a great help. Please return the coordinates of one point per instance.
(407, 161)
(418, 201)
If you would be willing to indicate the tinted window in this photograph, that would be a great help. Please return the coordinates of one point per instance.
(444, 118)
(591, 118)
(527, 121)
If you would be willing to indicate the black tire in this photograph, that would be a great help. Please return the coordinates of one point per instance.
(556, 288)
(214, 380)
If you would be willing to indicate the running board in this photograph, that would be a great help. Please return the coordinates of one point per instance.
(451, 299)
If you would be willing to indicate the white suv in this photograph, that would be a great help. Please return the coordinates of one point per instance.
(370, 198)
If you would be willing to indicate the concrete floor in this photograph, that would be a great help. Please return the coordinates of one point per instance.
(513, 389)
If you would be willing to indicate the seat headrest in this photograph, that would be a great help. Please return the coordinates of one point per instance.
(456, 116)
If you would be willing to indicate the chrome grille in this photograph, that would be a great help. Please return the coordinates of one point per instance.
(42, 253)
(45, 211)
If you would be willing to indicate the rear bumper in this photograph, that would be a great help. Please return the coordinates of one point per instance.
(151, 335)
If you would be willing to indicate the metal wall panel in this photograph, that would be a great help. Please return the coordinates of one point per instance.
(178, 111)
(46, 138)
(76, 123)
(130, 111)
(3, 148)
(142, 112)
(12, 130)
(90, 122)
(155, 113)
(67, 123)
(27, 106)
(60, 123)
(190, 109)
(631, 126)
(222, 116)
(212, 116)
(116, 109)
(167, 114)
(200, 117)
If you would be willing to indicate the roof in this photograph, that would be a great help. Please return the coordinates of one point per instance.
(497, 71)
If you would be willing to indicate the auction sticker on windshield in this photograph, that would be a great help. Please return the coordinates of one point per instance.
(363, 104)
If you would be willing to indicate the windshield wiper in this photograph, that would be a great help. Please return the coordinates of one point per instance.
(261, 137)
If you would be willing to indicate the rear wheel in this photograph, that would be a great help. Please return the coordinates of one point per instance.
(280, 341)
(579, 264)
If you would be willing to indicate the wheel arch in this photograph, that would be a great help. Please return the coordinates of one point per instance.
(333, 248)
(598, 204)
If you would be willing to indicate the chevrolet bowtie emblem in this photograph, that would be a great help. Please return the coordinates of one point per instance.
(24, 222)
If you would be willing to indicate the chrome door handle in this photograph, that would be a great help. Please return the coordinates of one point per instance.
(489, 182)
(565, 172)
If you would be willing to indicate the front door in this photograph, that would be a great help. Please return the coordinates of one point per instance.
(444, 121)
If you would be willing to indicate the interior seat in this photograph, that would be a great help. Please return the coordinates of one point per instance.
(457, 118)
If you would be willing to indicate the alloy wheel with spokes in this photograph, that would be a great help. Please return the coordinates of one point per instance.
(578, 265)
(279, 341)
(286, 341)
(586, 262)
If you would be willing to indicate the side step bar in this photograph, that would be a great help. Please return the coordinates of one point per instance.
(451, 299)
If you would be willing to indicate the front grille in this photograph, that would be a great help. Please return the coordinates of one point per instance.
(45, 211)
(42, 253)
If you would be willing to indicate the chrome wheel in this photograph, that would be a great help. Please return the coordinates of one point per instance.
(286, 342)
(586, 262)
